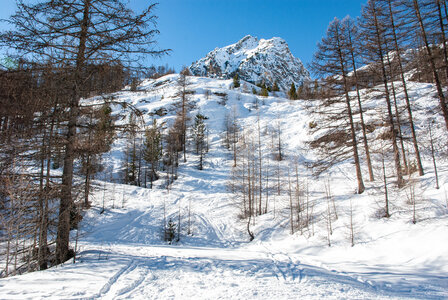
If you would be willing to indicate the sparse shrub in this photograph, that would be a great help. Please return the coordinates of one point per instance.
(412, 167)
(312, 124)
(159, 112)
(207, 94)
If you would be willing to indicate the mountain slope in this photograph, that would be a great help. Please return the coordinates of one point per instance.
(254, 61)
(122, 254)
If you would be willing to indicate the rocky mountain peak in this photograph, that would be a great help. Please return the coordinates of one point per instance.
(255, 61)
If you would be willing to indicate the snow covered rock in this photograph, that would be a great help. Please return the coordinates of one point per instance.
(254, 61)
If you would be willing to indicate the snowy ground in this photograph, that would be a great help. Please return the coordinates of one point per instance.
(122, 255)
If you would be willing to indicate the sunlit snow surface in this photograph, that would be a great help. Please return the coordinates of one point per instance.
(122, 255)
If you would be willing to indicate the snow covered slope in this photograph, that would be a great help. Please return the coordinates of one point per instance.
(254, 61)
(122, 254)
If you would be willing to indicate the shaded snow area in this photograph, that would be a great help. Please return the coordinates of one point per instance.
(122, 254)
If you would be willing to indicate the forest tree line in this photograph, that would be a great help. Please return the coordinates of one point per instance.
(45, 126)
(60, 52)
(358, 63)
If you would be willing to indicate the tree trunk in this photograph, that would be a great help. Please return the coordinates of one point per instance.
(361, 187)
(405, 89)
(400, 182)
(66, 201)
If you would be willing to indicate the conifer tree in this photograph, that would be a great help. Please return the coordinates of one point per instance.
(332, 60)
(153, 150)
(421, 21)
(351, 34)
(264, 91)
(375, 46)
(199, 130)
(183, 106)
(236, 81)
(73, 34)
(399, 34)
(96, 141)
(292, 93)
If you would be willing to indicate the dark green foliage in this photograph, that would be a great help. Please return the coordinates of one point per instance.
(105, 129)
(264, 92)
(292, 92)
(199, 130)
(275, 87)
(152, 152)
(70, 36)
(236, 81)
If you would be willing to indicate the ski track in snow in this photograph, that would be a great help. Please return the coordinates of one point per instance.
(122, 255)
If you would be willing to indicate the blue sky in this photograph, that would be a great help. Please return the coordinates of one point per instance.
(192, 28)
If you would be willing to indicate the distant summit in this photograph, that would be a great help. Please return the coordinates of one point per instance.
(254, 61)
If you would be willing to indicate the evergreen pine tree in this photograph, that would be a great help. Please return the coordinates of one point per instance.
(236, 81)
(170, 231)
(264, 91)
(292, 92)
(153, 149)
(199, 137)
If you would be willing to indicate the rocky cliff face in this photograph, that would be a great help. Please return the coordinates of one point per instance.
(254, 61)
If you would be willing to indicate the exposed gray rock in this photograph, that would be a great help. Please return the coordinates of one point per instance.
(254, 61)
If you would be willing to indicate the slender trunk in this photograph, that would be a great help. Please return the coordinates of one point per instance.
(234, 145)
(433, 157)
(251, 234)
(291, 211)
(243, 187)
(299, 204)
(361, 187)
(184, 122)
(352, 232)
(397, 116)
(254, 192)
(41, 250)
(249, 187)
(280, 156)
(400, 182)
(278, 178)
(87, 179)
(386, 196)
(43, 239)
(361, 113)
(267, 187)
(405, 90)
